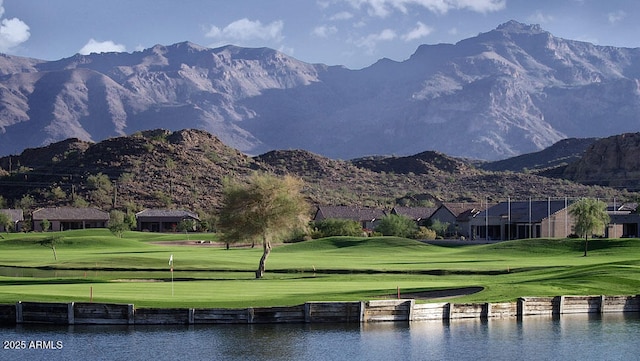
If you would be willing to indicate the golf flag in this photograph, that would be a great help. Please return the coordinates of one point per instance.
(171, 262)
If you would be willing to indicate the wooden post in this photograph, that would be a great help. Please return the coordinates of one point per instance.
(19, 318)
(130, 314)
(521, 308)
(70, 313)
(447, 311)
(558, 305)
(250, 315)
(486, 312)
(307, 312)
(412, 304)
(192, 316)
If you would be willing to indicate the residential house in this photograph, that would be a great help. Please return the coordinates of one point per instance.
(419, 214)
(458, 216)
(65, 218)
(523, 219)
(624, 221)
(15, 216)
(163, 220)
(367, 217)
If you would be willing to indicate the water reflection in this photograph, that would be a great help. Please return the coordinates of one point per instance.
(570, 337)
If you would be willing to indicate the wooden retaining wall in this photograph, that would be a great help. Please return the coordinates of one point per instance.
(324, 312)
(402, 310)
(7, 315)
(102, 314)
(387, 310)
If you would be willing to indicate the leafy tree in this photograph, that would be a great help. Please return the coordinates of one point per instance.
(79, 202)
(5, 221)
(101, 189)
(187, 225)
(265, 208)
(590, 216)
(399, 226)
(45, 224)
(57, 194)
(26, 202)
(51, 242)
(338, 227)
(118, 223)
(439, 227)
(3, 202)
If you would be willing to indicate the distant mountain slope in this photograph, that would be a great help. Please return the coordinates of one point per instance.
(187, 169)
(612, 162)
(563, 152)
(512, 90)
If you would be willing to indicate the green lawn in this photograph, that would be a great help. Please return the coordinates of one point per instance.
(135, 269)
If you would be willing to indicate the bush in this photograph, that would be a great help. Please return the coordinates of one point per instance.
(399, 226)
(337, 227)
(426, 233)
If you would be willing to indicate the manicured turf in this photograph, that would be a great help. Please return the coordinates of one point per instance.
(135, 269)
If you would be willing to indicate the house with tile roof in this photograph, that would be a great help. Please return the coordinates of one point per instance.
(65, 218)
(163, 220)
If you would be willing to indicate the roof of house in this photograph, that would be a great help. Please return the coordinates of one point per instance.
(625, 218)
(415, 213)
(347, 212)
(70, 214)
(622, 207)
(16, 215)
(167, 213)
(523, 211)
(463, 211)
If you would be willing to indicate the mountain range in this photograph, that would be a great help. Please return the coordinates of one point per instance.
(188, 168)
(512, 90)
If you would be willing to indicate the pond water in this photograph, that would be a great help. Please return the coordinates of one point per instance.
(570, 337)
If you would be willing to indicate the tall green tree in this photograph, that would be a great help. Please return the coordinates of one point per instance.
(590, 216)
(265, 208)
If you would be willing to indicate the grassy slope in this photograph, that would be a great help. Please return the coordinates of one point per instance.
(345, 269)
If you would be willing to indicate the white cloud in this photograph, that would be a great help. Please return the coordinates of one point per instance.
(420, 31)
(13, 32)
(94, 46)
(383, 8)
(245, 29)
(344, 15)
(540, 18)
(324, 31)
(371, 41)
(616, 16)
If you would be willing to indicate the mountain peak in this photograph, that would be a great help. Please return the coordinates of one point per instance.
(513, 26)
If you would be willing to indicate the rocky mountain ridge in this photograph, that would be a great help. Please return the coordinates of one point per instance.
(512, 90)
(187, 169)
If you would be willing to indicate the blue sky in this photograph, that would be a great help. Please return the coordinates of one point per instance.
(354, 33)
